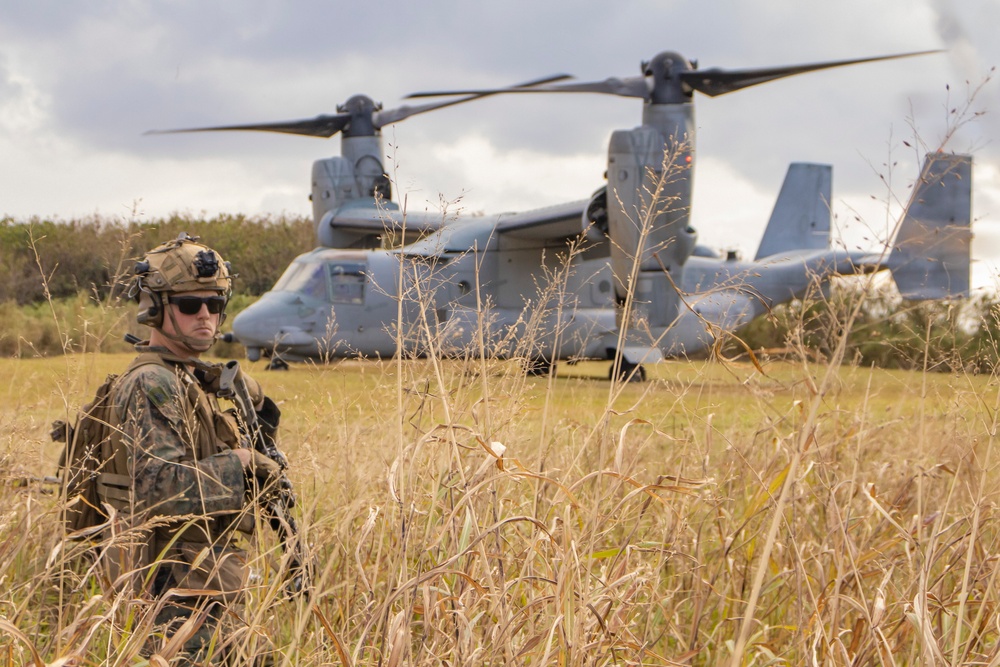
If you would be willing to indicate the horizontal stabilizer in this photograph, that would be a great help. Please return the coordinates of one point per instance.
(930, 255)
(801, 216)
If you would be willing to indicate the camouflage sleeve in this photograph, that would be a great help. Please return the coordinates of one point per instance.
(167, 477)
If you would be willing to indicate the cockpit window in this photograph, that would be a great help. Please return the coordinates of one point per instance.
(307, 278)
(347, 282)
(334, 282)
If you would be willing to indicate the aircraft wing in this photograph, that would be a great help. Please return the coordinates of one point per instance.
(462, 234)
(362, 224)
(549, 223)
(372, 219)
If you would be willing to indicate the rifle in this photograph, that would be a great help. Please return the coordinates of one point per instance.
(280, 501)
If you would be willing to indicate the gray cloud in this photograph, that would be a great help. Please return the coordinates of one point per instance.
(85, 80)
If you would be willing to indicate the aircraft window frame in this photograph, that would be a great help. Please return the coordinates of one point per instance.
(308, 278)
(347, 281)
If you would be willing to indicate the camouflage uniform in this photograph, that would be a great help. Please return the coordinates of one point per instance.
(181, 467)
(178, 485)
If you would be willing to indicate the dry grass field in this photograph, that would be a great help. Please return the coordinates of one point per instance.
(462, 513)
(714, 515)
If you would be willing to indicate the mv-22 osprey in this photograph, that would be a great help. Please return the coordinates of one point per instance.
(618, 276)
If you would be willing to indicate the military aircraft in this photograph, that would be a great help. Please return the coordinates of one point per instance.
(617, 276)
(512, 287)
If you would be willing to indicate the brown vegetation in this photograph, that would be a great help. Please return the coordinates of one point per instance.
(91, 255)
(622, 524)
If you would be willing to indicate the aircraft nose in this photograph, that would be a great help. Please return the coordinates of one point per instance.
(276, 318)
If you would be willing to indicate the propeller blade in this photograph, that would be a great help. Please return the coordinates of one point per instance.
(320, 126)
(383, 118)
(716, 81)
(629, 87)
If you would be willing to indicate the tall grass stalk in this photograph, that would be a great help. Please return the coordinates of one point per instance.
(771, 512)
(437, 553)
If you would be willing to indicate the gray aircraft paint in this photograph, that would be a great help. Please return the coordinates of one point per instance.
(475, 291)
(502, 284)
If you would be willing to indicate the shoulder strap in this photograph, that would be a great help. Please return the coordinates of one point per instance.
(147, 358)
(117, 475)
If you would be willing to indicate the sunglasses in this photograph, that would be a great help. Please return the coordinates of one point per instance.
(191, 305)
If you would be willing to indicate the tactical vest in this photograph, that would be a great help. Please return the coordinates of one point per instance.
(203, 556)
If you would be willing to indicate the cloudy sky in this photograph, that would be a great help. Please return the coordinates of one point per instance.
(81, 82)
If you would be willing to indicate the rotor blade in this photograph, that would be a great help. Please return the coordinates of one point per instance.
(383, 118)
(320, 126)
(630, 87)
(716, 81)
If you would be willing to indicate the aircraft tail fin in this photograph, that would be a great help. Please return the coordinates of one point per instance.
(800, 219)
(930, 257)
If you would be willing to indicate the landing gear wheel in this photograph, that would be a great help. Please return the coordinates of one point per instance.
(538, 367)
(625, 373)
(277, 364)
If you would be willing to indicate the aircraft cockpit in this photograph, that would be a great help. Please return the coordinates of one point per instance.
(329, 280)
(323, 291)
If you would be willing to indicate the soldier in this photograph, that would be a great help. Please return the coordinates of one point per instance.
(181, 475)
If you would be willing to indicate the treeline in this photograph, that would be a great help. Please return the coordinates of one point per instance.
(884, 331)
(94, 256)
(84, 265)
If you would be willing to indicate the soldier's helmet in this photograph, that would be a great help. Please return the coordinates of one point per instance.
(181, 265)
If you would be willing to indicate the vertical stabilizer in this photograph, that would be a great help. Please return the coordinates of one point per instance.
(930, 256)
(801, 216)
